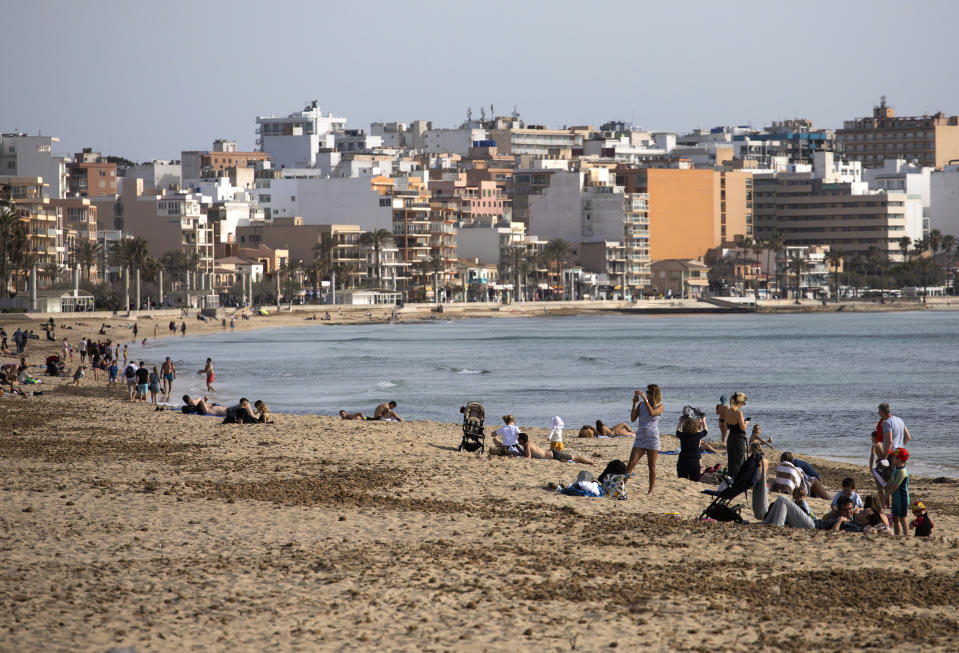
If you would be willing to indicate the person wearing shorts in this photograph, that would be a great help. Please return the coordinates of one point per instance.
(897, 491)
(208, 370)
(561, 456)
(143, 381)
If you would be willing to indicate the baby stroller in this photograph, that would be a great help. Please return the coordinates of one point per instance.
(719, 509)
(55, 366)
(474, 439)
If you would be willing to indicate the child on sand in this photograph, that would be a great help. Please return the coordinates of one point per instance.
(79, 374)
(556, 434)
(897, 491)
(922, 523)
(848, 490)
(114, 370)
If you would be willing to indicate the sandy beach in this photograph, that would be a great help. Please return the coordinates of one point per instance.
(122, 526)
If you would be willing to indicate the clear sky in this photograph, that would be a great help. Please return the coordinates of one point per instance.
(146, 80)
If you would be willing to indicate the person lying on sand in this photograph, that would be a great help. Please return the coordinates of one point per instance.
(620, 429)
(785, 512)
(385, 412)
(346, 415)
(530, 450)
(202, 407)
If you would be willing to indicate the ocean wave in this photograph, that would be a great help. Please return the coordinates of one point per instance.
(466, 370)
(383, 385)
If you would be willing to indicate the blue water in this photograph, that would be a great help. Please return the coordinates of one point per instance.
(813, 381)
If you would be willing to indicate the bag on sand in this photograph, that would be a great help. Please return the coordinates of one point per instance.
(724, 513)
(587, 431)
(615, 486)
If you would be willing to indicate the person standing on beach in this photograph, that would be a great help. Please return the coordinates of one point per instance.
(168, 372)
(735, 433)
(130, 374)
(82, 348)
(895, 435)
(896, 493)
(183, 328)
(210, 376)
(143, 381)
(647, 409)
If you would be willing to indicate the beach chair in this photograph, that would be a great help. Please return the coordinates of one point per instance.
(720, 508)
(474, 438)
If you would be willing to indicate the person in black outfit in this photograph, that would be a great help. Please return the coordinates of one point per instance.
(692, 432)
(143, 382)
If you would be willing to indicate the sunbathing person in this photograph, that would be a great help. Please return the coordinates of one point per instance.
(620, 429)
(785, 512)
(202, 407)
(530, 450)
(263, 411)
(242, 413)
(346, 415)
(789, 476)
(386, 412)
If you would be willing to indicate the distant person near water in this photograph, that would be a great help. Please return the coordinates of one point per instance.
(168, 374)
(210, 376)
(646, 412)
(895, 435)
(385, 412)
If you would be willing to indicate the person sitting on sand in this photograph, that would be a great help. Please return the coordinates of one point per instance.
(385, 412)
(789, 476)
(530, 450)
(507, 437)
(621, 429)
(755, 437)
(202, 407)
(871, 517)
(692, 434)
(848, 490)
(242, 413)
(263, 412)
(346, 415)
(785, 512)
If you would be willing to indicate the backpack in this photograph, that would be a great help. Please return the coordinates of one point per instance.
(130, 373)
(724, 513)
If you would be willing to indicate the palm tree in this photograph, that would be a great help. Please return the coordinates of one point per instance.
(10, 227)
(904, 244)
(934, 241)
(376, 239)
(857, 264)
(875, 257)
(176, 262)
(777, 242)
(745, 243)
(325, 252)
(556, 251)
(314, 271)
(758, 246)
(834, 259)
(948, 246)
(435, 264)
(292, 271)
(87, 254)
(797, 266)
(516, 257)
(131, 252)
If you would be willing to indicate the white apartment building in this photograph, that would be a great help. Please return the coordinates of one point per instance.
(23, 155)
(420, 135)
(156, 174)
(334, 200)
(294, 140)
(899, 176)
(944, 200)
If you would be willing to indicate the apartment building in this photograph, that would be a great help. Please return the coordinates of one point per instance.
(157, 174)
(23, 155)
(79, 223)
(686, 278)
(840, 215)
(90, 175)
(537, 140)
(43, 221)
(199, 164)
(931, 141)
(293, 141)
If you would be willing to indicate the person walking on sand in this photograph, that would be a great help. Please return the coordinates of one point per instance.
(154, 385)
(168, 374)
(183, 328)
(210, 376)
(736, 440)
(647, 409)
(82, 348)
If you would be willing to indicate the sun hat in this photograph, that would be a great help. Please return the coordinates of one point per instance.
(901, 453)
(558, 422)
(918, 505)
(584, 476)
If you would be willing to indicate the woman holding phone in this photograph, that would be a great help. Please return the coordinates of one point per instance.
(646, 412)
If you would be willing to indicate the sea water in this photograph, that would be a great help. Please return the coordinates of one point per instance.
(813, 381)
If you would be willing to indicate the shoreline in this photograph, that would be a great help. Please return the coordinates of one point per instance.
(122, 526)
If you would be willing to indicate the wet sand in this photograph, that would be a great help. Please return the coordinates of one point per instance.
(121, 526)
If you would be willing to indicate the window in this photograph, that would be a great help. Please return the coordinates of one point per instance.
(11, 165)
(103, 173)
(292, 198)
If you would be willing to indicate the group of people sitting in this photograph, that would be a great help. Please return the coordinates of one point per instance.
(241, 413)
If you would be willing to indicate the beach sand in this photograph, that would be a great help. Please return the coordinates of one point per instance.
(121, 526)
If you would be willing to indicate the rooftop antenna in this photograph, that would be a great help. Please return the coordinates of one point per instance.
(492, 113)
(469, 114)
(515, 112)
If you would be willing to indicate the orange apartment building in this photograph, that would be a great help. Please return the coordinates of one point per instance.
(90, 175)
(691, 210)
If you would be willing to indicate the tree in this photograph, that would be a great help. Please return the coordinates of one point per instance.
(742, 251)
(877, 259)
(87, 254)
(934, 241)
(131, 252)
(834, 259)
(434, 265)
(176, 263)
(314, 271)
(376, 239)
(325, 252)
(904, 244)
(948, 246)
(11, 231)
(556, 251)
(291, 273)
(798, 266)
(777, 243)
(758, 246)
(516, 257)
